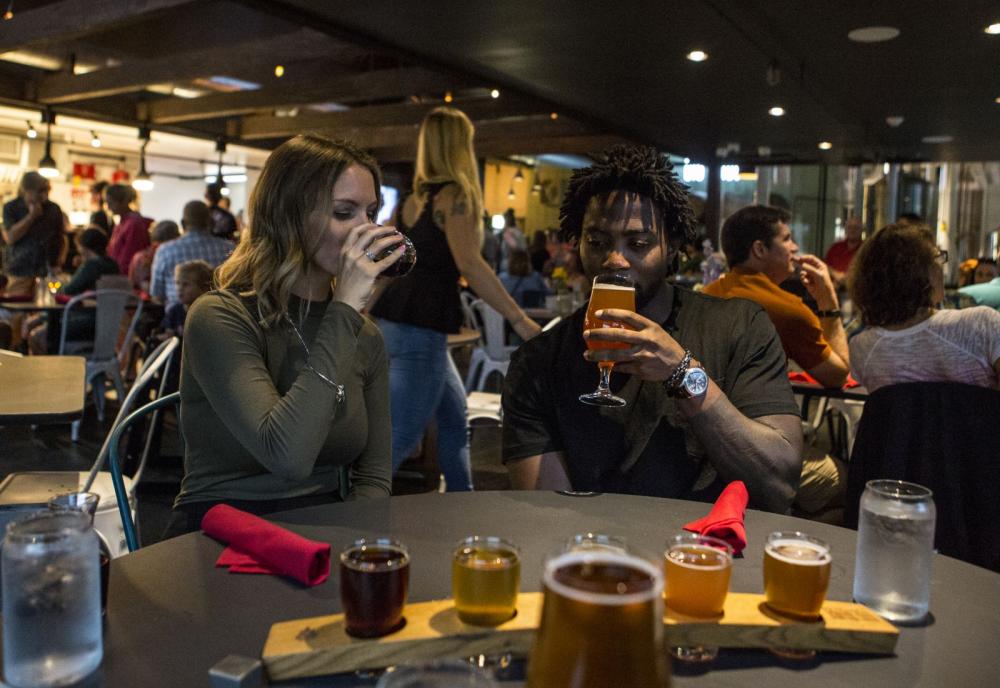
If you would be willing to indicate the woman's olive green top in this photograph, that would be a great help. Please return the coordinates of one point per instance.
(259, 424)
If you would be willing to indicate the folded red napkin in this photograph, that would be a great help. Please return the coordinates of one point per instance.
(257, 546)
(725, 520)
(63, 298)
(17, 298)
(802, 376)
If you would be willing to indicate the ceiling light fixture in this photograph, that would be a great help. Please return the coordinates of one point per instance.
(32, 133)
(142, 181)
(938, 138)
(279, 71)
(495, 93)
(536, 189)
(776, 111)
(697, 56)
(95, 140)
(555, 115)
(825, 145)
(47, 165)
(510, 194)
(993, 29)
(9, 14)
(518, 176)
(448, 97)
(873, 34)
(894, 120)
(220, 181)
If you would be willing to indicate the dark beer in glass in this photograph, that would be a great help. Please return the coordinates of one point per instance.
(374, 578)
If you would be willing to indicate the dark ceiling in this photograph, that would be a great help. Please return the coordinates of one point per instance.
(611, 71)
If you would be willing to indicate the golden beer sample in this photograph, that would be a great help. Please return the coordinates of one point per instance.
(796, 574)
(485, 579)
(696, 579)
(601, 624)
(608, 296)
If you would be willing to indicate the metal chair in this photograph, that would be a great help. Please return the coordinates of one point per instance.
(30, 490)
(493, 355)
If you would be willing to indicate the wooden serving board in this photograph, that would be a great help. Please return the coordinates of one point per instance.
(319, 645)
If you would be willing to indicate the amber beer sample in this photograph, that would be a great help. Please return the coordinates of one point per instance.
(796, 573)
(485, 578)
(696, 571)
(601, 625)
(374, 578)
(609, 291)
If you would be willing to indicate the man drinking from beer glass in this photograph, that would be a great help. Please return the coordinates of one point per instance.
(704, 380)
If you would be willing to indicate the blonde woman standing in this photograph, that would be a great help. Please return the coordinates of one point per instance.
(283, 381)
(417, 312)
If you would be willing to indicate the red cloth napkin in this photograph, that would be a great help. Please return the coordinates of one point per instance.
(725, 520)
(63, 298)
(17, 298)
(807, 378)
(256, 546)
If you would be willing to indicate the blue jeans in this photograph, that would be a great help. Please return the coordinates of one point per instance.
(424, 384)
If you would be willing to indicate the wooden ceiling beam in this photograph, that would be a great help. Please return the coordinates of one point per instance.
(267, 126)
(135, 76)
(300, 91)
(502, 148)
(69, 19)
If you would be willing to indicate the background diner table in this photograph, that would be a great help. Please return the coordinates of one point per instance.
(41, 389)
(47, 304)
(172, 615)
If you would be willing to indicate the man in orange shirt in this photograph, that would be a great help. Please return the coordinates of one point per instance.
(762, 254)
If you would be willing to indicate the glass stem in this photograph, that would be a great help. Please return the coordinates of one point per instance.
(605, 386)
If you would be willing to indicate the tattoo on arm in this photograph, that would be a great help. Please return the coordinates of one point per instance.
(439, 218)
(459, 208)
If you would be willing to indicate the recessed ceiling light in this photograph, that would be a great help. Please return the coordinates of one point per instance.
(894, 120)
(998, 99)
(939, 138)
(495, 93)
(776, 111)
(993, 29)
(697, 56)
(873, 34)
(825, 145)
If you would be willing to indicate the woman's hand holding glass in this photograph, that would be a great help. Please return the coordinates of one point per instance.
(357, 269)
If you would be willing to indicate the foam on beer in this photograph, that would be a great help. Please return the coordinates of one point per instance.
(794, 552)
(678, 557)
(603, 557)
(613, 287)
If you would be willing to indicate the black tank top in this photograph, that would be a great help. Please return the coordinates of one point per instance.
(428, 295)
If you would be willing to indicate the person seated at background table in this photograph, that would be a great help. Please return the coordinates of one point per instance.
(131, 234)
(140, 270)
(283, 381)
(197, 243)
(762, 254)
(193, 279)
(525, 286)
(897, 282)
(91, 244)
(728, 413)
(985, 290)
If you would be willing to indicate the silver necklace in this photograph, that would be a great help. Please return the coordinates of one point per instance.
(339, 389)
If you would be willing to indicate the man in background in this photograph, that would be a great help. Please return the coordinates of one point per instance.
(223, 221)
(197, 243)
(840, 254)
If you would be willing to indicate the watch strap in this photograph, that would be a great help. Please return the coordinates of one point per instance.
(674, 381)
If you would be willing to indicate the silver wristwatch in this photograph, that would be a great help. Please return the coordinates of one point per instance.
(693, 384)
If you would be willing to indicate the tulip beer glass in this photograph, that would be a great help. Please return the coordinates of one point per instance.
(696, 581)
(485, 578)
(602, 621)
(374, 578)
(609, 291)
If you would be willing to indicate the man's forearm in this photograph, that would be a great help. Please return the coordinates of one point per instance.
(836, 337)
(767, 459)
(18, 229)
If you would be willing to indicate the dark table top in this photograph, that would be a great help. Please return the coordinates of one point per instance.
(816, 390)
(172, 615)
(41, 389)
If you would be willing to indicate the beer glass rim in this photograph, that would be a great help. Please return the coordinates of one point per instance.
(695, 538)
(589, 542)
(899, 489)
(75, 501)
(794, 535)
(363, 544)
(489, 541)
(613, 279)
(43, 527)
(564, 558)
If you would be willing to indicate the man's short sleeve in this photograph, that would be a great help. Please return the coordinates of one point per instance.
(11, 215)
(801, 335)
(529, 423)
(758, 374)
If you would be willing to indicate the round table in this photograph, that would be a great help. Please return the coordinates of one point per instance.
(172, 615)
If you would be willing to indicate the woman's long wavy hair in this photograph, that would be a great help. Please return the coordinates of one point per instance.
(286, 214)
(445, 154)
(890, 277)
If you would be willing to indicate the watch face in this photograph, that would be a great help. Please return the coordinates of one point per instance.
(695, 382)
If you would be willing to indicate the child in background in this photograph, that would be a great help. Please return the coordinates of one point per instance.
(193, 279)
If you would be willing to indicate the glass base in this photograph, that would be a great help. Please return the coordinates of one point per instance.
(789, 653)
(694, 653)
(602, 399)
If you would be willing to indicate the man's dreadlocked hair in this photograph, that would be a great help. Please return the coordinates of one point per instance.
(638, 169)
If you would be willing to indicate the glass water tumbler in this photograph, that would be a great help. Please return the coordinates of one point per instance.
(51, 600)
(892, 574)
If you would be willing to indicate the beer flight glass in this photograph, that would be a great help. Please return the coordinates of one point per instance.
(796, 576)
(485, 578)
(609, 291)
(696, 570)
(602, 620)
(374, 580)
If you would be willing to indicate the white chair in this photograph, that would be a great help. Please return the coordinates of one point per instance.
(30, 490)
(102, 352)
(468, 313)
(484, 406)
(493, 355)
